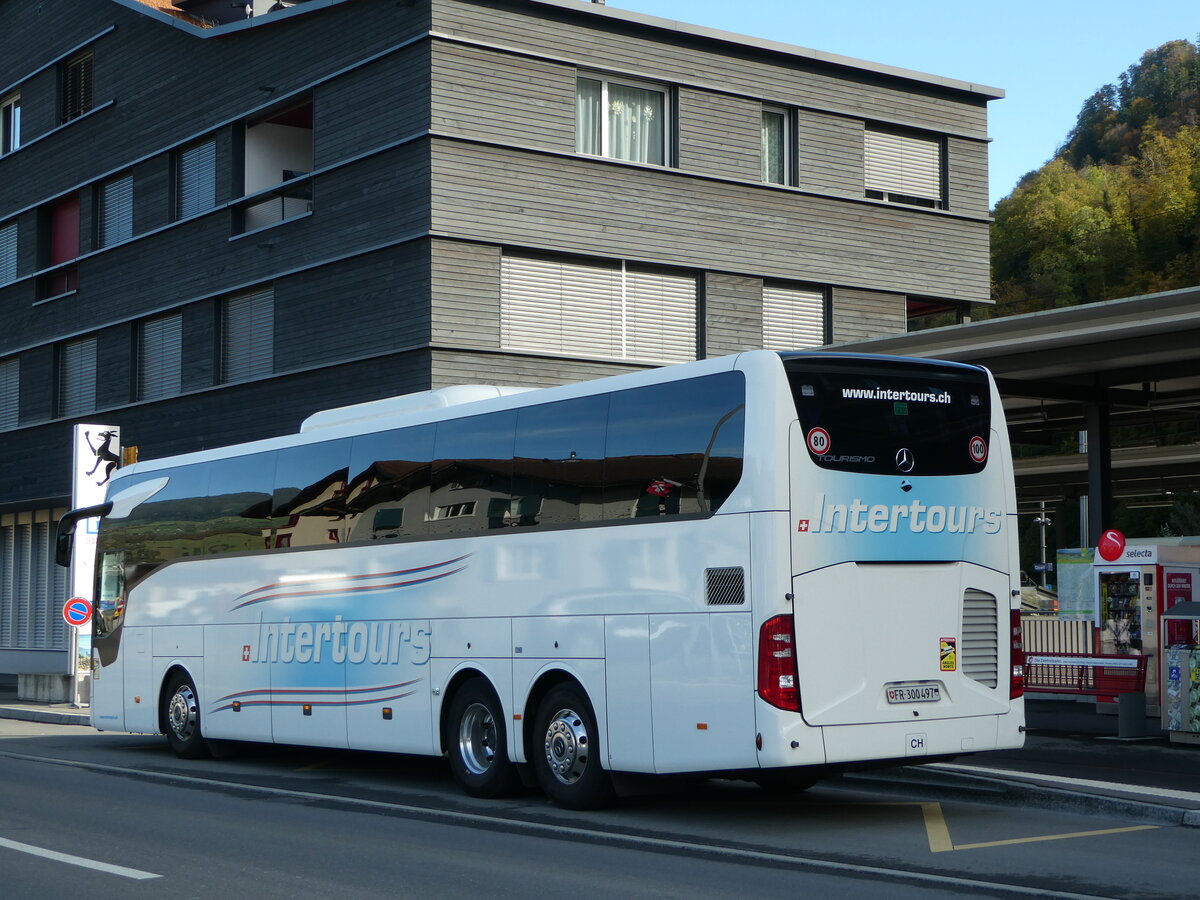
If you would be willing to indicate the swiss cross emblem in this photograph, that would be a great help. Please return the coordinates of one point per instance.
(659, 488)
(245, 653)
(803, 526)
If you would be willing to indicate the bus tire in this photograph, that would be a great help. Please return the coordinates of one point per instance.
(478, 742)
(566, 751)
(181, 718)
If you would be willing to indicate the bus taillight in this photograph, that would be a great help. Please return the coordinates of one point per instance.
(1017, 684)
(777, 663)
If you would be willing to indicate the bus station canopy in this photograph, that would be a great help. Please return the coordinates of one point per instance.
(1071, 377)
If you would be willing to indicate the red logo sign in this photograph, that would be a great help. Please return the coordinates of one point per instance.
(818, 441)
(802, 526)
(77, 611)
(1112, 545)
(978, 449)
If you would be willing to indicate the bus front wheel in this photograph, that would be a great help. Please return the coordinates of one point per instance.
(181, 718)
(566, 754)
(478, 742)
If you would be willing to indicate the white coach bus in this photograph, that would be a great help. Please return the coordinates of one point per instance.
(767, 566)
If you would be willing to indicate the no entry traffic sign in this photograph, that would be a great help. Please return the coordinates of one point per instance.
(77, 611)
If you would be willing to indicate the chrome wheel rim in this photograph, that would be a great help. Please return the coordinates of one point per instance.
(567, 746)
(182, 714)
(477, 738)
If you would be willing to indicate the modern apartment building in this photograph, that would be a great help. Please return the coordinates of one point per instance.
(216, 219)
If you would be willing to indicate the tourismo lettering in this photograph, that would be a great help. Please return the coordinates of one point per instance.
(858, 517)
(340, 642)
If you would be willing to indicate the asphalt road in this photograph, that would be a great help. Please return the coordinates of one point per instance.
(280, 822)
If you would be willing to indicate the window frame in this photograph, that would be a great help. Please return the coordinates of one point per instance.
(788, 118)
(10, 393)
(605, 152)
(10, 236)
(65, 358)
(10, 123)
(180, 210)
(256, 363)
(104, 205)
(166, 379)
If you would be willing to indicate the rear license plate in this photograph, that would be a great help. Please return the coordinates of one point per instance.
(914, 693)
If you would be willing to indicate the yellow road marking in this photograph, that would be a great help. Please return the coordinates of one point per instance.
(938, 832)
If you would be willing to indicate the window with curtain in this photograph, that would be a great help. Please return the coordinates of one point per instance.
(77, 378)
(8, 253)
(248, 336)
(196, 180)
(608, 310)
(793, 317)
(116, 211)
(160, 357)
(10, 392)
(776, 146)
(75, 83)
(621, 120)
(903, 167)
(64, 247)
(10, 123)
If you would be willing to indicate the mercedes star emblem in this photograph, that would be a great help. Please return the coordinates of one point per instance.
(904, 460)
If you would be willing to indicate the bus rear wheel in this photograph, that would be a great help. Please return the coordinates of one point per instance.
(566, 753)
(181, 718)
(478, 742)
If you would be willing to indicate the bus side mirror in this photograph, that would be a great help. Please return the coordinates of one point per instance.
(64, 538)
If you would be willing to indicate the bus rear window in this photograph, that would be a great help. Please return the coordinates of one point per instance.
(890, 418)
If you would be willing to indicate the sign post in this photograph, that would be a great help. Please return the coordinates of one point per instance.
(95, 455)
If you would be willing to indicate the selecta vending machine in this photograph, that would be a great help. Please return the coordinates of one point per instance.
(1136, 583)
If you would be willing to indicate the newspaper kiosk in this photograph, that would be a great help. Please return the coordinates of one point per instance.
(1181, 672)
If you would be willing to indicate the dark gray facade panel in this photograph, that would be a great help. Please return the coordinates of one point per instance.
(151, 193)
(198, 358)
(368, 304)
(528, 102)
(372, 106)
(858, 315)
(115, 365)
(499, 195)
(829, 152)
(733, 313)
(38, 382)
(451, 367)
(719, 135)
(660, 54)
(465, 294)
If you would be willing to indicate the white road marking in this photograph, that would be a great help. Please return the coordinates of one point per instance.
(1066, 781)
(77, 860)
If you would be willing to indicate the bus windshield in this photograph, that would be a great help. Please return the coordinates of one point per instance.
(861, 416)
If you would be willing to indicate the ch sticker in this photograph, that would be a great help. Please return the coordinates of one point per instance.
(948, 650)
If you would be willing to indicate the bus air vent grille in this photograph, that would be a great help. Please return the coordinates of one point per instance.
(726, 586)
(980, 638)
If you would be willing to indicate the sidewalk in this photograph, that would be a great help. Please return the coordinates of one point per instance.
(46, 713)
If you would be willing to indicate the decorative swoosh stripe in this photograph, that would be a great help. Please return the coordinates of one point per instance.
(274, 696)
(346, 584)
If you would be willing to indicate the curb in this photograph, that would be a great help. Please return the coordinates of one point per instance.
(1020, 792)
(45, 716)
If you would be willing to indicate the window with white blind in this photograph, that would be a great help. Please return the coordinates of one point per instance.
(776, 145)
(196, 180)
(75, 84)
(31, 585)
(10, 393)
(248, 336)
(8, 253)
(77, 378)
(116, 211)
(903, 168)
(160, 357)
(621, 120)
(607, 310)
(793, 317)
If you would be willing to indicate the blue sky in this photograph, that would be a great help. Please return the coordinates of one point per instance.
(1047, 56)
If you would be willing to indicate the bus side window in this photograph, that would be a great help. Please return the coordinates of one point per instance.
(471, 479)
(387, 495)
(558, 462)
(308, 503)
(237, 515)
(674, 448)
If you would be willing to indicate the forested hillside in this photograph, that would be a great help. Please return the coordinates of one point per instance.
(1117, 211)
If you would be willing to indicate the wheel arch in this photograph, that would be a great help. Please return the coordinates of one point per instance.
(543, 685)
(457, 680)
(173, 669)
